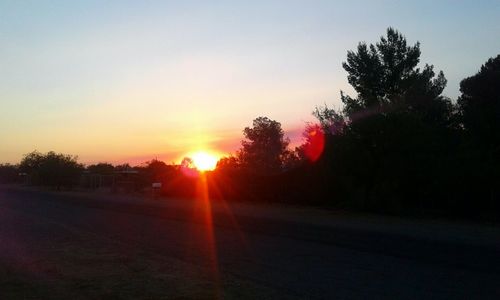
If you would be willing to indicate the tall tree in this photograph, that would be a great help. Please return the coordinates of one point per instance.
(479, 104)
(386, 77)
(264, 146)
(396, 129)
(331, 121)
(479, 111)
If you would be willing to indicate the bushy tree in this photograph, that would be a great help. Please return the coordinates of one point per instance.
(264, 146)
(158, 171)
(476, 174)
(101, 168)
(479, 104)
(52, 169)
(228, 163)
(313, 143)
(386, 78)
(9, 173)
(332, 121)
(31, 162)
(394, 136)
(123, 167)
(188, 163)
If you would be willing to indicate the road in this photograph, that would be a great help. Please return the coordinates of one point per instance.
(56, 245)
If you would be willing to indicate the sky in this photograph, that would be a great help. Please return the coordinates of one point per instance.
(129, 81)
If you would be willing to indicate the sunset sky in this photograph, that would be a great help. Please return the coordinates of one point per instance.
(128, 81)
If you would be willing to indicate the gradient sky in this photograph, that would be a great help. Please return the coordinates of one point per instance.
(129, 81)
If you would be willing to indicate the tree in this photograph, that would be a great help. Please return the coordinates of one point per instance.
(101, 168)
(230, 163)
(479, 156)
(386, 78)
(331, 121)
(291, 159)
(156, 169)
(9, 173)
(123, 167)
(187, 163)
(52, 169)
(265, 146)
(31, 162)
(31, 165)
(393, 135)
(313, 145)
(479, 104)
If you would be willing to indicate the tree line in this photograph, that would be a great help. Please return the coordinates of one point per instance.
(397, 146)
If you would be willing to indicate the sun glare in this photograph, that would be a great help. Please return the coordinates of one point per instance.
(204, 161)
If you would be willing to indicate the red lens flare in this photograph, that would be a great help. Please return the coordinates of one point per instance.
(315, 142)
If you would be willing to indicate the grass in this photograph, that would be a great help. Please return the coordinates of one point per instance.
(57, 262)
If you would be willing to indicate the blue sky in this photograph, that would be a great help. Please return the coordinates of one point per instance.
(132, 80)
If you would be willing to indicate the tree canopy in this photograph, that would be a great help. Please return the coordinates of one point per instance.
(386, 77)
(51, 169)
(479, 104)
(264, 146)
(101, 168)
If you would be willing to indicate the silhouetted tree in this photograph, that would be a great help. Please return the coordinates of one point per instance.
(395, 133)
(187, 162)
(154, 171)
(31, 162)
(123, 167)
(386, 78)
(228, 163)
(476, 174)
(101, 168)
(331, 121)
(313, 143)
(52, 169)
(290, 159)
(9, 173)
(156, 168)
(479, 105)
(265, 146)
(158, 171)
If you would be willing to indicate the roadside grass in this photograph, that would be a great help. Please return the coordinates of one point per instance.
(75, 264)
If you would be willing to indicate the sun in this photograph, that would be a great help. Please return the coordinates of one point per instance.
(204, 161)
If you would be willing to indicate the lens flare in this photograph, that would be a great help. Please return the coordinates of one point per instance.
(315, 143)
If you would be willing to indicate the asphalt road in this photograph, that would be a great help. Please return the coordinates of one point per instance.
(257, 257)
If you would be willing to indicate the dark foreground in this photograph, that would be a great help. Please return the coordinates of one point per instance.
(60, 246)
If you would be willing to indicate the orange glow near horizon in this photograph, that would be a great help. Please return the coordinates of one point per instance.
(204, 161)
